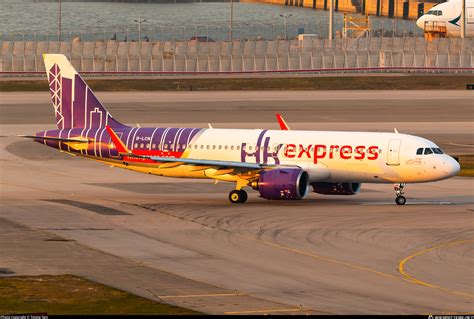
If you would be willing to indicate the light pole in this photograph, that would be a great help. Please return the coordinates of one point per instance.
(140, 21)
(285, 16)
(59, 20)
(231, 19)
(463, 19)
(331, 18)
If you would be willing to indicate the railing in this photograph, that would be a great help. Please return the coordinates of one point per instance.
(240, 32)
(271, 56)
(290, 71)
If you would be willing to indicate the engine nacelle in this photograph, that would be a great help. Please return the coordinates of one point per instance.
(336, 188)
(283, 183)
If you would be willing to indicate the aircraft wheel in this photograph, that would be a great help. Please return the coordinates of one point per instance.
(238, 196)
(244, 196)
(400, 200)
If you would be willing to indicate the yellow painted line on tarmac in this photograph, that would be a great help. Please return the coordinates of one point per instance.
(202, 295)
(406, 278)
(263, 311)
(401, 268)
(302, 252)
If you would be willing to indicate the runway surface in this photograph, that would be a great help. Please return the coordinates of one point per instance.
(181, 242)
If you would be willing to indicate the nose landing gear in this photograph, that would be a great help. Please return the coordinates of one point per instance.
(400, 199)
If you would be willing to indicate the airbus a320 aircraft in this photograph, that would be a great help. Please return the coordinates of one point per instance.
(279, 164)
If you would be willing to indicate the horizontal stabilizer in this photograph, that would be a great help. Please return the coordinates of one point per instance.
(57, 139)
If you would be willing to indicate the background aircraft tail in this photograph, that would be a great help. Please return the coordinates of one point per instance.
(75, 105)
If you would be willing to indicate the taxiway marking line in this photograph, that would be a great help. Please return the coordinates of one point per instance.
(203, 295)
(406, 278)
(301, 252)
(263, 311)
(401, 268)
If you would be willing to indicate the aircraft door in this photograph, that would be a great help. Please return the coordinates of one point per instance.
(393, 152)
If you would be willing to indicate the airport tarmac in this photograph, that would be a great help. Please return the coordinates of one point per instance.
(182, 242)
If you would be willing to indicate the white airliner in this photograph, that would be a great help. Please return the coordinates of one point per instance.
(279, 164)
(447, 16)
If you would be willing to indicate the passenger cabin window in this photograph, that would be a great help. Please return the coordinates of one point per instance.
(419, 151)
(428, 151)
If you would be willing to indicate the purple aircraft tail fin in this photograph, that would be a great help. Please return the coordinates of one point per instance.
(75, 105)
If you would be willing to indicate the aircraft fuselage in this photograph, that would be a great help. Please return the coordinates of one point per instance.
(327, 156)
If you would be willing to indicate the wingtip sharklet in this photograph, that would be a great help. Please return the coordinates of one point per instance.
(282, 123)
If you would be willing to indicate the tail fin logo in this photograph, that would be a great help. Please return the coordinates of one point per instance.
(54, 77)
(75, 105)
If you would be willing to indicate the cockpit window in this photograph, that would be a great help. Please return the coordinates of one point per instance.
(427, 151)
(435, 12)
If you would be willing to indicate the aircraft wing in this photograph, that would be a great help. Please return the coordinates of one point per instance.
(215, 163)
(124, 151)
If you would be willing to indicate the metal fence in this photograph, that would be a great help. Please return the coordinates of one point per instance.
(243, 56)
(241, 32)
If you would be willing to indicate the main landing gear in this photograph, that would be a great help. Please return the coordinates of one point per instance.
(238, 196)
(400, 199)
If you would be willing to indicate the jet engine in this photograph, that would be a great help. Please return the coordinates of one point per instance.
(336, 188)
(283, 183)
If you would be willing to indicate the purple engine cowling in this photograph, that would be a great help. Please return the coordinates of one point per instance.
(283, 183)
(336, 188)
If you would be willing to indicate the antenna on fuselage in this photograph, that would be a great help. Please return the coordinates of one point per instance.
(395, 130)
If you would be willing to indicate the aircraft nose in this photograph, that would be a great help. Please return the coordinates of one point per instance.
(420, 22)
(451, 166)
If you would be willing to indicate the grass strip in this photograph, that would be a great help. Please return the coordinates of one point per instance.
(72, 295)
(410, 82)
